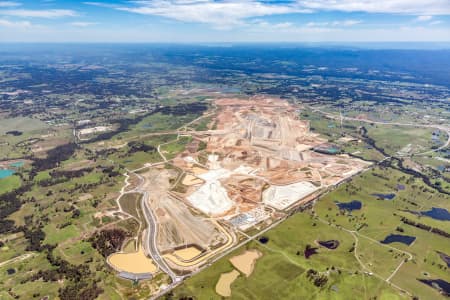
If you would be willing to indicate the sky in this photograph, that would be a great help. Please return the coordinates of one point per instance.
(205, 21)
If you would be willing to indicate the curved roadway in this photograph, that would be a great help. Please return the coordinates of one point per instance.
(150, 241)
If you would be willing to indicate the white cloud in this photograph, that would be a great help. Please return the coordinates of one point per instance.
(343, 23)
(413, 7)
(261, 24)
(282, 25)
(49, 13)
(83, 24)
(223, 14)
(230, 13)
(100, 4)
(437, 22)
(424, 18)
(9, 4)
(10, 24)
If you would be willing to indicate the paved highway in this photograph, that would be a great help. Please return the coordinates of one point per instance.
(150, 240)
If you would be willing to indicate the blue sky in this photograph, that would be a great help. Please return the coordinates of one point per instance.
(225, 21)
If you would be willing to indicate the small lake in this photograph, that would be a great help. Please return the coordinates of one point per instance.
(11, 271)
(393, 238)
(435, 213)
(349, 206)
(263, 240)
(444, 257)
(330, 244)
(439, 284)
(5, 173)
(309, 251)
(389, 196)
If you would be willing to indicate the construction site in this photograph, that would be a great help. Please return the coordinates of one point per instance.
(259, 163)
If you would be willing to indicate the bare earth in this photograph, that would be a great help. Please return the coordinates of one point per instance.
(245, 262)
(135, 262)
(223, 286)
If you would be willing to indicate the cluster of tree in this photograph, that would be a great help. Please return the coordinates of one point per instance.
(399, 166)
(184, 109)
(170, 296)
(70, 173)
(15, 133)
(78, 279)
(136, 146)
(123, 125)
(319, 280)
(380, 175)
(86, 187)
(10, 203)
(80, 290)
(399, 229)
(54, 157)
(106, 152)
(35, 236)
(60, 176)
(111, 171)
(108, 241)
(426, 227)
(52, 181)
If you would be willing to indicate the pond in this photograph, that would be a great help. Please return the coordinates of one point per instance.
(263, 240)
(10, 271)
(349, 206)
(441, 168)
(400, 187)
(330, 244)
(230, 89)
(444, 257)
(384, 196)
(17, 164)
(441, 285)
(436, 213)
(309, 251)
(5, 173)
(405, 239)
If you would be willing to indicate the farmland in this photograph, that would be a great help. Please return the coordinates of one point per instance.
(284, 266)
(156, 172)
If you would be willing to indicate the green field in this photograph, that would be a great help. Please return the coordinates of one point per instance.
(388, 137)
(393, 138)
(130, 204)
(9, 183)
(280, 273)
(22, 124)
(57, 235)
(170, 150)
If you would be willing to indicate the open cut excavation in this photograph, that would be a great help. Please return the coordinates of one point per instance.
(258, 164)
